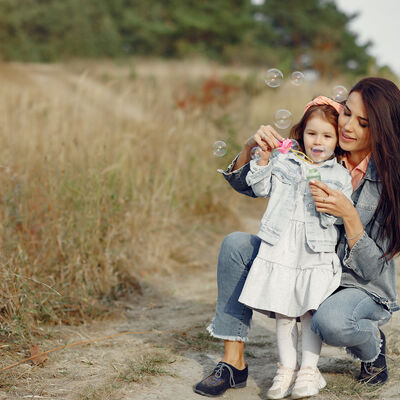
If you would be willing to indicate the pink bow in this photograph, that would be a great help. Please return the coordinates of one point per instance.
(322, 100)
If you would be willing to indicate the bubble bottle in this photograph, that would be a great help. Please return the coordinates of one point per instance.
(313, 174)
(318, 156)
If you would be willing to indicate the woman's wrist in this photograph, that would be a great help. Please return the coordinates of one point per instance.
(356, 236)
(350, 216)
(354, 228)
(243, 159)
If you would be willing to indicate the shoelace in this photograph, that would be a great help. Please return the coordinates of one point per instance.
(369, 365)
(368, 369)
(218, 373)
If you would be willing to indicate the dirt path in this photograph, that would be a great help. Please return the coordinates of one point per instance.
(166, 363)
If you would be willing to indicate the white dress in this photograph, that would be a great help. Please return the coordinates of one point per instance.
(288, 277)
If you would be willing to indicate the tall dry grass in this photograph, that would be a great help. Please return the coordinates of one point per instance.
(106, 169)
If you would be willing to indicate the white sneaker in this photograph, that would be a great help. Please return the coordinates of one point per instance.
(282, 383)
(308, 383)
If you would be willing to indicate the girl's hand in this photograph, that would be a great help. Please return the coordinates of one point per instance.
(331, 201)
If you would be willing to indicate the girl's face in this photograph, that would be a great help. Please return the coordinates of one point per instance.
(319, 137)
(354, 133)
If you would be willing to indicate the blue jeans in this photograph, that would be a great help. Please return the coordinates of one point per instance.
(348, 318)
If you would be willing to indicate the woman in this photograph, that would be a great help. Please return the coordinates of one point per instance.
(369, 134)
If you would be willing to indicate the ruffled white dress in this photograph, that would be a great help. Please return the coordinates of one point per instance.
(288, 277)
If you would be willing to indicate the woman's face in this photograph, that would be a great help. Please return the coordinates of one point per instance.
(354, 133)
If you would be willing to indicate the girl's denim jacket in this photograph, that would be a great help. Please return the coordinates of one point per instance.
(363, 266)
(279, 181)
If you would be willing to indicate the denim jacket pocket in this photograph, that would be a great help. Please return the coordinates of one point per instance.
(334, 184)
(284, 176)
(366, 212)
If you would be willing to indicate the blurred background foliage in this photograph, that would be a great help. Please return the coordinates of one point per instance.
(290, 34)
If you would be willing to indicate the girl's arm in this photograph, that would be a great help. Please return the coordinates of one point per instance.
(364, 255)
(260, 174)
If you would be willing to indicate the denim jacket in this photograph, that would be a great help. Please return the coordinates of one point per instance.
(363, 266)
(279, 181)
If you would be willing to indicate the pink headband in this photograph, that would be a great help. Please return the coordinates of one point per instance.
(323, 100)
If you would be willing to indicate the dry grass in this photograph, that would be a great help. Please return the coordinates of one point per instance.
(143, 368)
(107, 171)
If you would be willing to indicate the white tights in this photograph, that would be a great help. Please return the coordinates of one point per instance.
(287, 333)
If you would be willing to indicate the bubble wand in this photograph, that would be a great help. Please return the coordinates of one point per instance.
(285, 146)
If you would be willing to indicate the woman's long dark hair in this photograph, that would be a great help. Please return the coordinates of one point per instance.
(381, 99)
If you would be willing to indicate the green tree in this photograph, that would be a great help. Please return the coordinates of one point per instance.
(315, 33)
(289, 34)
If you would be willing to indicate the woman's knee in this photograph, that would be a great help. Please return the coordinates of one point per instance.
(238, 248)
(333, 327)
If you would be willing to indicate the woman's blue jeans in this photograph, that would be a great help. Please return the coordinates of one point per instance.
(348, 318)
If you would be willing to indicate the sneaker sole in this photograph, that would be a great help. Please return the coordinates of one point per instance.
(286, 394)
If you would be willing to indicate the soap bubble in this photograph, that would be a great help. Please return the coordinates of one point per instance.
(339, 93)
(273, 78)
(283, 119)
(295, 145)
(297, 78)
(219, 148)
(320, 153)
(255, 153)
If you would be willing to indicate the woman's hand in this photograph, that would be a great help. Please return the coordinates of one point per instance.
(267, 138)
(331, 201)
(336, 203)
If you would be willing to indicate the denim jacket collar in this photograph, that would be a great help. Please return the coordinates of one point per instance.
(372, 171)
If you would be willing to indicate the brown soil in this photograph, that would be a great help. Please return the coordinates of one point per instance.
(167, 362)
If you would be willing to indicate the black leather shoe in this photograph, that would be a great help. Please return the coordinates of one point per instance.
(375, 373)
(223, 377)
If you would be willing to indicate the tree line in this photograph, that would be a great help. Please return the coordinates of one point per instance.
(289, 34)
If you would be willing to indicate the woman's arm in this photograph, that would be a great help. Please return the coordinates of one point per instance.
(336, 203)
(364, 255)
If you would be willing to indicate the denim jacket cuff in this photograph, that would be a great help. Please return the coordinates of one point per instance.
(349, 254)
(258, 172)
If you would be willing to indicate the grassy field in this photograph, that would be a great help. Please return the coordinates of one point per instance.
(106, 170)
(109, 187)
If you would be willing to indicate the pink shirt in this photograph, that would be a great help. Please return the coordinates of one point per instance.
(358, 172)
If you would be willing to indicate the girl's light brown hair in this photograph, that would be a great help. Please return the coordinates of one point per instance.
(327, 111)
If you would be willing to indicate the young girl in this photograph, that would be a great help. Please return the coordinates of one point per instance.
(296, 267)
